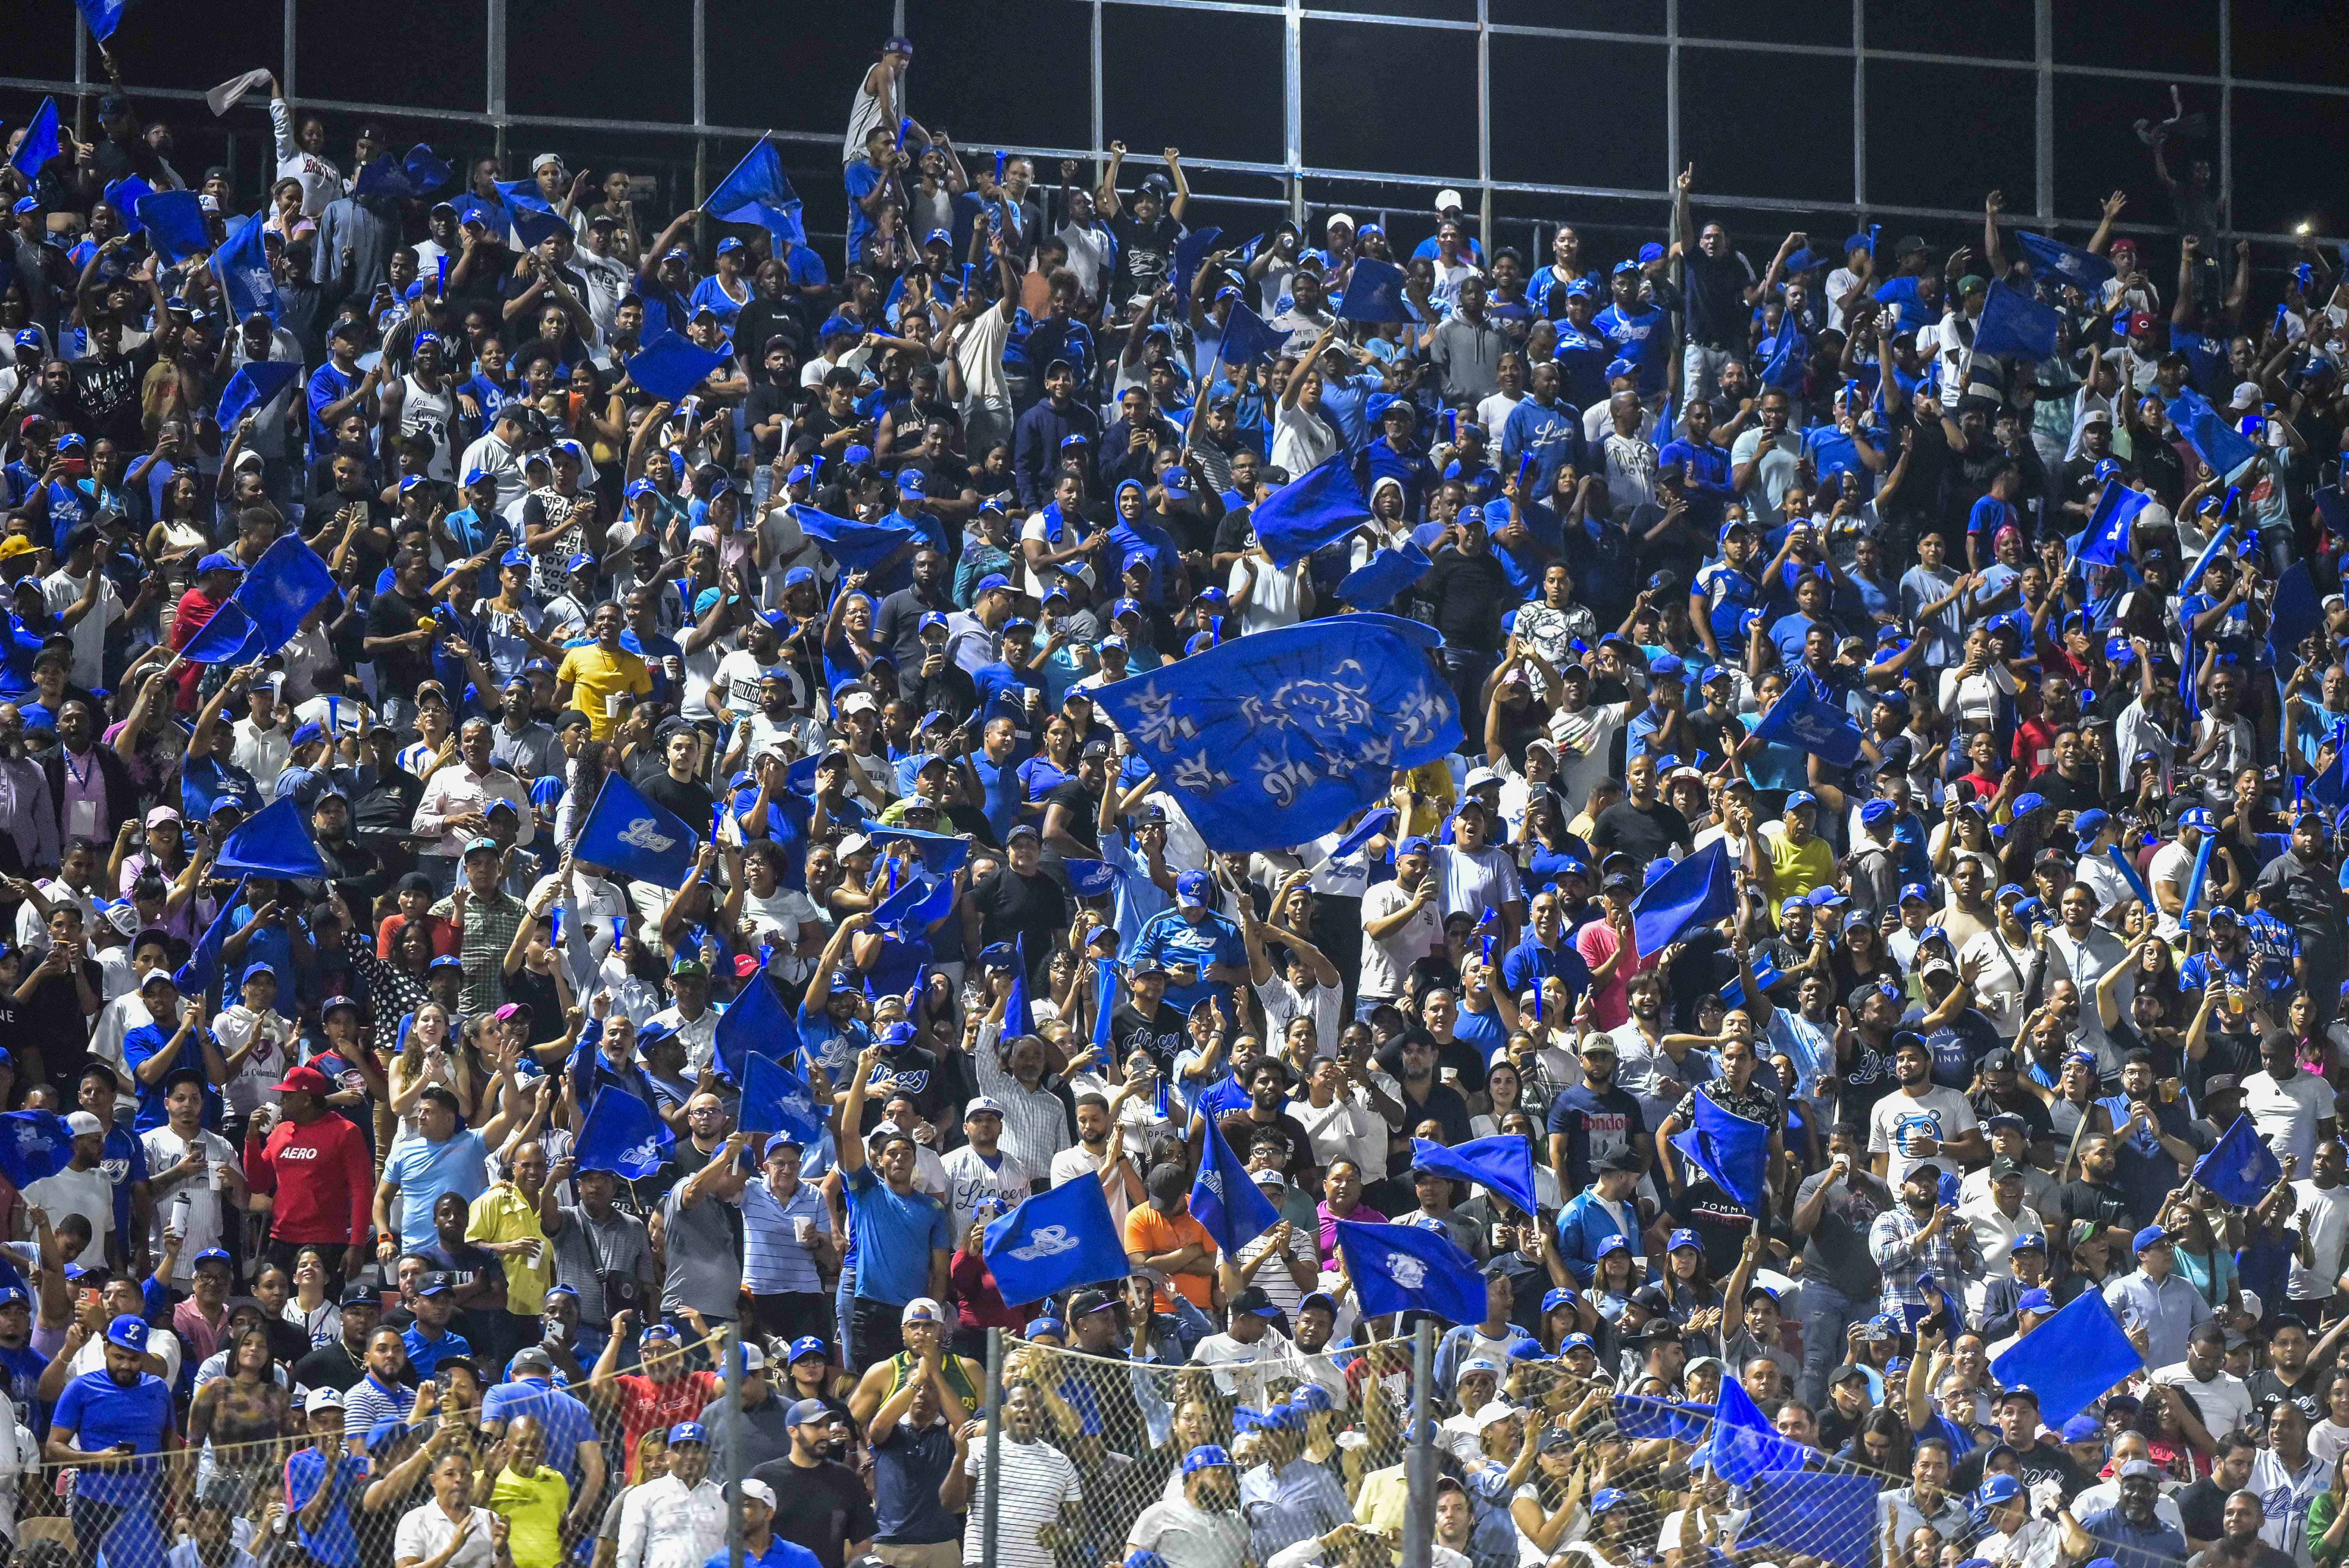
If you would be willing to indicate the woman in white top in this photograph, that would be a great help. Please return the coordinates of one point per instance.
(302, 154)
(1970, 693)
(427, 1057)
(1302, 436)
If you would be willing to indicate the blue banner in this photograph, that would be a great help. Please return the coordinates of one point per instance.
(1744, 1443)
(669, 367)
(1374, 292)
(1275, 738)
(40, 141)
(2071, 1360)
(1693, 894)
(103, 17)
(777, 1100)
(914, 908)
(1054, 1241)
(1405, 1268)
(2241, 1167)
(2084, 270)
(1226, 1199)
(1248, 337)
(2013, 323)
(758, 192)
(242, 264)
(1374, 584)
(267, 608)
(124, 196)
(1644, 1419)
(1019, 1014)
(1319, 506)
(275, 841)
(1732, 1150)
(33, 1144)
(755, 1022)
(1805, 718)
(941, 855)
(2105, 540)
(1787, 355)
(174, 221)
(2227, 450)
(857, 546)
(1192, 249)
(1504, 1162)
(630, 835)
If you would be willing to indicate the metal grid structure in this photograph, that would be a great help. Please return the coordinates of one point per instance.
(1661, 41)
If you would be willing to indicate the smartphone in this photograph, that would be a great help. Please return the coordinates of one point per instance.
(76, 468)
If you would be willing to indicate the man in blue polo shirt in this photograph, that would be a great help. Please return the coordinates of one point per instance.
(429, 1342)
(124, 1411)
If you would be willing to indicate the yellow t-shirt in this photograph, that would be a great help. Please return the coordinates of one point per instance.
(596, 678)
(534, 1506)
(503, 1214)
(1431, 781)
(1795, 870)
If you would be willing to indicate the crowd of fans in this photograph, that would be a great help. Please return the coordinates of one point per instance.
(326, 1277)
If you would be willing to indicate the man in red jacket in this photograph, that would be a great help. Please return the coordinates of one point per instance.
(328, 1174)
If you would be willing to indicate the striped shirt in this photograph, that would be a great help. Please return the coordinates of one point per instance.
(773, 1261)
(1038, 1480)
(1035, 1122)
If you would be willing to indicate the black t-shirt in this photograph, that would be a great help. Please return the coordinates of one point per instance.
(2202, 1509)
(1457, 1062)
(2108, 1206)
(822, 1508)
(393, 615)
(1960, 1044)
(1010, 905)
(689, 799)
(2039, 1462)
(2068, 794)
(1718, 316)
(1080, 812)
(766, 400)
(1161, 1033)
(330, 1367)
(2268, 1390)
(53, 1013)
(1644, 833)
(1145, 255)
(106, 397)
(1469, 592)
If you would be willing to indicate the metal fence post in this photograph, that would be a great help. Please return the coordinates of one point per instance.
(1419, 1452)
(991, 1517)
(733, 1480)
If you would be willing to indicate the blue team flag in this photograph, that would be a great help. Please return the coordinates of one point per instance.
(2198, 878)
(40, 143)
(759, 193)
(196, 975)
(534, 229)
(1248, 337)
(2013, 323)
(636, 838)
(523, 195)
(1831, 1517)
(242, 264)
(35, 1144)
(2084, 270)
(1090, 879)
(913, 909)
(1785, 355)
(1373, 824)
(1728, 1148)
(756, 1022)
(1019, 1014)
(2241, 1167)
(2105, 540)
(103, 17)
(1805, 718)
(1192, 249)
(1104, 1000)
(2329, 789)
(941, 855)
(2071, 1360)
(1226, 1199)
(858, 546)
(1403, 1268)
(275, 841)
(1645, 1418)
(669, 367)
(1278, 738)
(254, 385)
(417, 175)
(2296, 610)
(124, 196)
(2216, 440)
(1744, 1443)
(1374, 584)
(1373, 292)
(1504, 1162)
(268, 607)
(777, 1100)
(174, 221)
(1319, 506)
(622, 1135)
(1054, 1241)
(1694, 894)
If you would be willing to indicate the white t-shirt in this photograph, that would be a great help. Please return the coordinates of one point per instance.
(2322, 1215)
(2225, 1401)
(266, 1066)
(2285, 1114)
(2171, 864)
(1272, 604)
(1235, 1365)
(83, 1192)
(1385, 959)
(61, 593)
(735, 682)
(1584, 739)
(202, 1221)
(978, 352)
(1898, 1119)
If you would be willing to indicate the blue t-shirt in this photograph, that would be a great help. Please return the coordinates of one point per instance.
(101, 1414)
(1172, 940)
(143, 1044)
(563, 1418)
(894, 1235)
(424, 1169)
(334, 1543)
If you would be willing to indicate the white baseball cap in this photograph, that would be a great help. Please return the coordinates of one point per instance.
(322, 1399)
(921, 1309)
(544, 158)
(1334, 219)
(757, 1490)
(1447, 199)
(82, 1124)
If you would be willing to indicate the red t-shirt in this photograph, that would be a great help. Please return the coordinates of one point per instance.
(649, 1406)
(2034, 745)
(322, 1178)
(195, 608)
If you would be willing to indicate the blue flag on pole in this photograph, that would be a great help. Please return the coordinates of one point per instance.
(1744, 1443)
(2105, 540)
(1373, 292)
(1693, 894)
(1373, 824)
(275, 841)
(2084, 270)
(242, 264)
(409, 179)
(1054, 1241)
(622, 1135)
(534, 229)
(2241, 1167)
(523, 195)
(1104, 1000)
(1192, 249)
(196, 977)
(1319, 506)
(1643, 1418)
(2013, 323)
(759, 193)
(1831, 1517)
(636, 838)
(1807, 720)
(1090, 879)
(756, 1021)
(33, 1144)
(1226, 1197)
(254, 385)
(1766, 975)
(913, 909)
(1732, 1150)
(1277, 739)
(2071, 1360)
(103, 17)
(2215, 439)
(669, 367)
(174, 221)
(40, 142)
(1018, 1013)
(1374, 584)
(1785, 355)
(267, 608)
(1248, 337)
(858, 546)
(1504, 1162)
(124, 196)
(1403, 1268)
(777, 1100)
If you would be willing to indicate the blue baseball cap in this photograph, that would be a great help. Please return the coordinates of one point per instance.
(130, 1331)
(1683, 1238)
(805, 1413)
(1206, 1455)
(1917, 891)
(1577, 1342)
(2000, 1488)
(1414, 845)
(1801, 798)
(1608, 1498)
(689, 1433)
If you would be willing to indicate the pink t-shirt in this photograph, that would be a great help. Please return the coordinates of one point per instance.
(1610, 1004)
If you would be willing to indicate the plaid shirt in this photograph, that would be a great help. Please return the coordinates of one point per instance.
(1901, 1251)
(490, 925)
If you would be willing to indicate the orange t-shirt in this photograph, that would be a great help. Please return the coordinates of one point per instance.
(1147, 1231)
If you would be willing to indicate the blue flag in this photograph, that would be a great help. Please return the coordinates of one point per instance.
(1766, 975)
(777, 1100)
(33, 1144)
(1785, 355)
(941, 855)
(174, 221)
(2215, 439)
(40, 142)
(2013, 323)
(198, 974)
(759, 193)
(534, 229)
(124, 196)
(2084, 270)
(1504, 1162)
(1693, 894)
(2241, 1167)
(669, 367)
(622, 1135)
(1732, 1150)
(1403, 1268)
(254, 385)
(523, 196)
(636, 838)
(1277, 739)
(242, 264)
(1319, 506)
(2297, 609)
(1192, 249)
(914, 908)
(2105, 540)
(1248, 337)
(1744, 1443)
(103, 17)
(1226, 1199)
(1819, 1514)
(857, 546)
(1373, 824)
(755, 1023)
(1645, 1418)
(1104, 1000)
(1373, 292)
(1055, 1242)
(2071, 1360)
(1805, 718)
(1090, 879)
(275, 841)
(1374, 584)
(267, 608)
(410, 178)
(1019, 1014)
